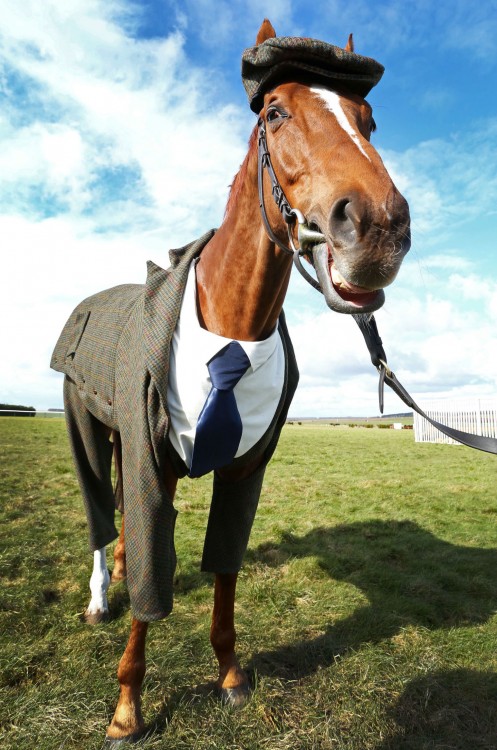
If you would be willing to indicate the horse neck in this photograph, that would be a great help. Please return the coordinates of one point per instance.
(242, 278)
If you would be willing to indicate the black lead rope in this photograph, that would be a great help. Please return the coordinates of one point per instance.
(369, 330)
(366, 322)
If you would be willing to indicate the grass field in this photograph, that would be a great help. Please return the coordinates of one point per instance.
(365, 611)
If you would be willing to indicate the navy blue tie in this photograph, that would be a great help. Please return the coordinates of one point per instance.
(219, 427)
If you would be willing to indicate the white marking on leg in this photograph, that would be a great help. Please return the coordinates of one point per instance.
(99, 583)
(332, 101)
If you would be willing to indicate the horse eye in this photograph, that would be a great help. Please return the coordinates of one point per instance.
(372, 126)
(273, 114)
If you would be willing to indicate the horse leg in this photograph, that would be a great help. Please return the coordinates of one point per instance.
(234, 502)
(98, 608)
(92, 454)
(232, 683)
(119, 572)
(127, 724)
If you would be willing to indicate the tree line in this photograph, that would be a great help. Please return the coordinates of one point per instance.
(16, 410)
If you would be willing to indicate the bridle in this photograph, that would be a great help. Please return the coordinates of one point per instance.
(307, 239)
(306, 236)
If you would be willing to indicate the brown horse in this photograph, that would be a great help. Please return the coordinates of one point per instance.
(319, 145)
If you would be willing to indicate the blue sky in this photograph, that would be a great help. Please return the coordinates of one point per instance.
(122, 125)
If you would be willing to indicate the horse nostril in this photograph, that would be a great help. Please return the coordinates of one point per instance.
(343, 221)
(338, 212)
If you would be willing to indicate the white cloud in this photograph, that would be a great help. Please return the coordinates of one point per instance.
(446, 262)
(53, 264)
(448, 182)
(49, 160)
(100, 133)
(119, 102)
(438, 332)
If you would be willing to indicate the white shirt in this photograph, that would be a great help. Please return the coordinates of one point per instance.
(257, 393)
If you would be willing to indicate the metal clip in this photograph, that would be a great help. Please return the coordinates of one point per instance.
(386, 368)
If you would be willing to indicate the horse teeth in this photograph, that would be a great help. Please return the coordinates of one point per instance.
(341, 283)
(337, 277)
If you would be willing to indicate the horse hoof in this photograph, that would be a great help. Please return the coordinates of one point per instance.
(95, 618)
(235, 697)
(111, 743)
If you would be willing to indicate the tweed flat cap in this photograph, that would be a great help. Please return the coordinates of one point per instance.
(287, 58)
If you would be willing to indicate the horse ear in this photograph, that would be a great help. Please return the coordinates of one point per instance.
(349, 47)
(265, 32)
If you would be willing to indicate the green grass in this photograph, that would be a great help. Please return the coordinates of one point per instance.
(365, 610)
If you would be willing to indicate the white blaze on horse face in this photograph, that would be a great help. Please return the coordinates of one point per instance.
(99, 583)
(332, 101)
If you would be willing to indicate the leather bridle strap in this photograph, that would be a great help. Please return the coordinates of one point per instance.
(306, 236)
(264, 162)
(369, 330)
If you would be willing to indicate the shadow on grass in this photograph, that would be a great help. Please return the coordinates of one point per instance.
(118, 600)
(453, 710)
(409, 576)
(203, 695)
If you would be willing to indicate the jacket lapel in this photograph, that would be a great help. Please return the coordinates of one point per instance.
(164, 291)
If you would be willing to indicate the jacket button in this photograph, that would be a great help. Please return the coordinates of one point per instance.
(94, 391)
(109, 402)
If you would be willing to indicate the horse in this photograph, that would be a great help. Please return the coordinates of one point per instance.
(314, 139)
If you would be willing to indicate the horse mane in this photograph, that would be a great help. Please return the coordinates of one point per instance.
(240, 176)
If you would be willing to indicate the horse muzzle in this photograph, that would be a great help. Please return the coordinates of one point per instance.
(363, 251)
(340, 295)
(353, 278)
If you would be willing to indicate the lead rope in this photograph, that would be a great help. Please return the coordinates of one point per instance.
(367, 323)
(369, 330)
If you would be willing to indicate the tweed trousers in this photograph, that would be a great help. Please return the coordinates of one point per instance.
(114, 351)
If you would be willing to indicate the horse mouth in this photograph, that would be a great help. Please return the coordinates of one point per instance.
(349, 292)
(341, 295)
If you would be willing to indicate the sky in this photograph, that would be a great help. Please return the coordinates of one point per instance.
(121, 128)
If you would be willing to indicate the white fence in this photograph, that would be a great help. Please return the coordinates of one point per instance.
(476, 415)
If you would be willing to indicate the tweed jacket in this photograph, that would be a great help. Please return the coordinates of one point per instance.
(114, 350)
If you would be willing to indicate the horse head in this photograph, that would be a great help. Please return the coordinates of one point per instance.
(318, 137)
